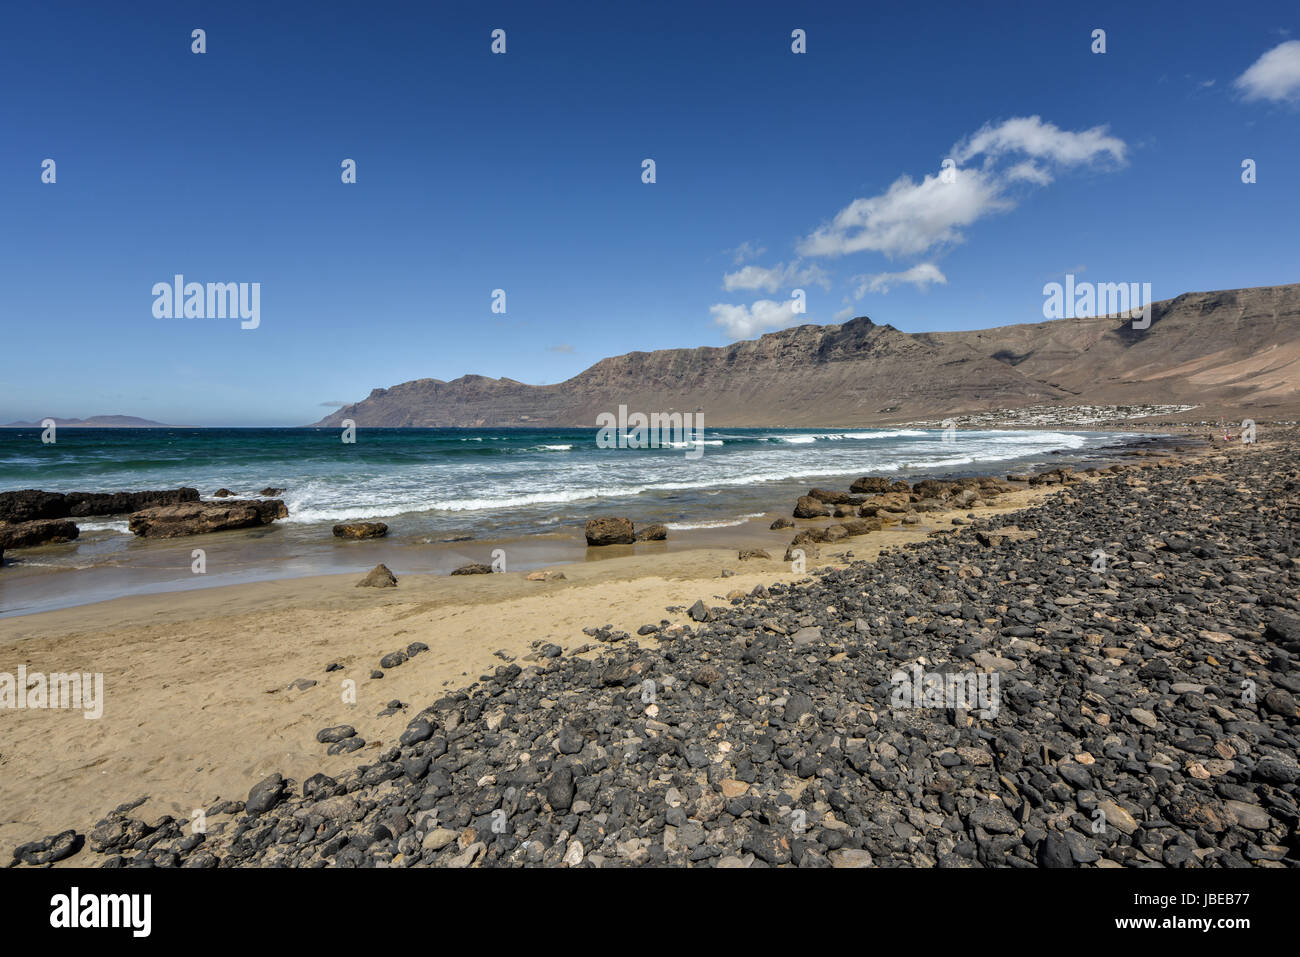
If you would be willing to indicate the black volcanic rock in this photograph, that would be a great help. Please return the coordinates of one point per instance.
(30, 504)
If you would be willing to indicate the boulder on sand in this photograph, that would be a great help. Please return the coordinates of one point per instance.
(828, 497)
(548, 575)
(809, 507)
(653, 533)
(610, 531)
(379, 577)
(360, 530)
(198, 518)
(861, 526)
(49, 531)
(867, 484)
(933, 488)
(474, 568)
(808, 549)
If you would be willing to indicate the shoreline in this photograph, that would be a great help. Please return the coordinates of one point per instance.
(200, 697)
(291, 550)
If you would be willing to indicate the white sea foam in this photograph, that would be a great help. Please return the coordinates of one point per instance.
(727, 523)
(588, 476)
(123, 528)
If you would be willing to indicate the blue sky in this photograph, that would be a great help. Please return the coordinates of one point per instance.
(523, 172)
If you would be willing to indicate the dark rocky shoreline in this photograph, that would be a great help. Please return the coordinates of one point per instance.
(1147, 714)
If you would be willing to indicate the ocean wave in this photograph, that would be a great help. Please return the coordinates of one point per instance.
(123, 528)
(725, 523)
(449, 482)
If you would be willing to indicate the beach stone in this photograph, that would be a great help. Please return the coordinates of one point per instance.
(652, 533)
(1054, 851)
(358, 530)
(336, 733)
(1143, 717)
(809, 507)
(421, 729)
(438, 838)
(559, 792)
(993, 818)
(40, 532)
(473, 568)
(1250, 816)
(850, 857)
(610, 531)
(378, 577)
(869, 485)
(1118, 817)
(806, 636)
(201, 518)
(746, 554)
(1280, 702)
(265, 794)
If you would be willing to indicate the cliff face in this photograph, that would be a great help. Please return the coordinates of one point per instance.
(1235, 349)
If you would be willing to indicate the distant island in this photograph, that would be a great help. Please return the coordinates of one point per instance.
(94, 422)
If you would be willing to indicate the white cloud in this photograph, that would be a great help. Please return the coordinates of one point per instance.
(776, 277)
(911, 218)
(563, 347)
(1028, 172)
(920, 276)
(1031, 136)
(745, 322)
(845, 313)
(746, 250)
(1274, 76)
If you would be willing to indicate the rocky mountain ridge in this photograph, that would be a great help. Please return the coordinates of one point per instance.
(1235, 351)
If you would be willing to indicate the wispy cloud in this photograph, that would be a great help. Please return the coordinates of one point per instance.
(745, 252)
(1275, 76)
(333, 405)
(920, 276)
(776, 277)
(563, 347)
(1046, 141)
(911, 218)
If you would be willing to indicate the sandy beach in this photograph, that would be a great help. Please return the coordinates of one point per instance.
(198, 698)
